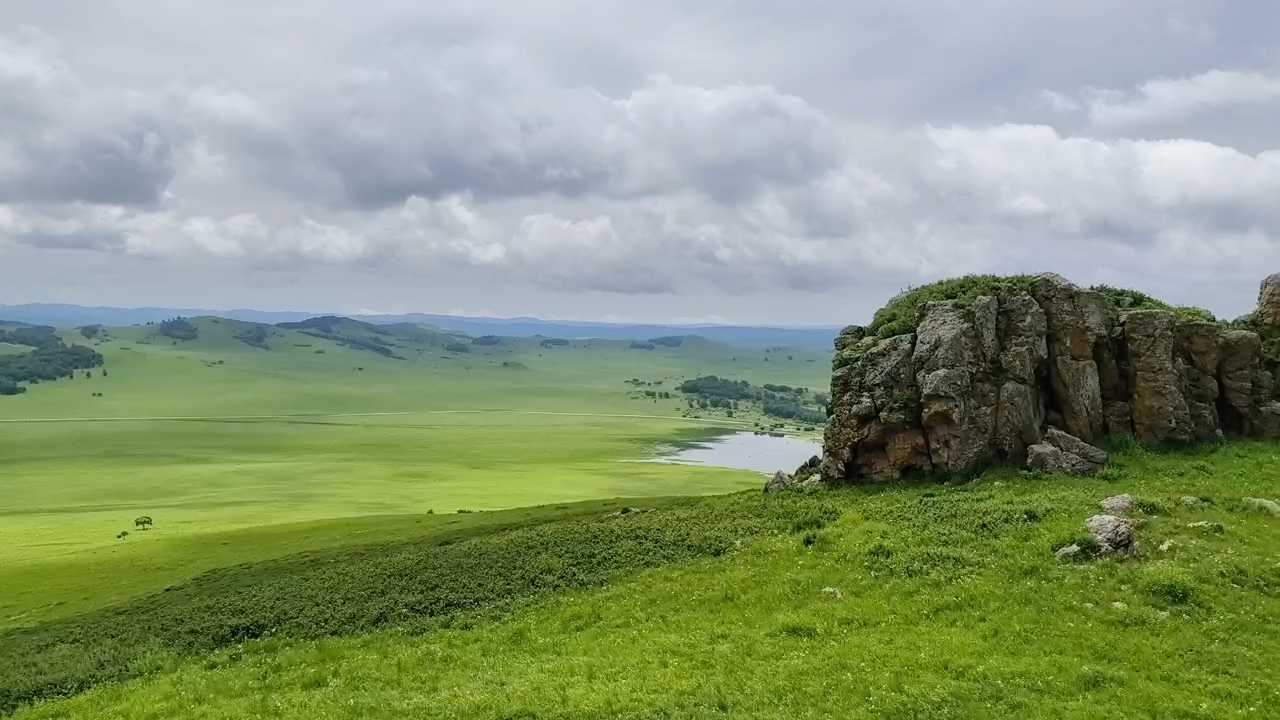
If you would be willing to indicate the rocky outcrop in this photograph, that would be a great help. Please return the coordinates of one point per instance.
(1268, 313)
(875, 429)
(1038, 373)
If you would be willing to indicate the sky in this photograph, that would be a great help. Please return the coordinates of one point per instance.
(747, 161)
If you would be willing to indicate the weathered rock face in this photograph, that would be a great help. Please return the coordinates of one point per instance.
(1199, 354)
(1160, 415)
(875, 430)
(1268, 312)
(1077, 324)
(1038, 378)
(953, 356)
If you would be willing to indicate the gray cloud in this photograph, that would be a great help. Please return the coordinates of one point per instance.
(651, 150)
(63, 142)
(481, 121)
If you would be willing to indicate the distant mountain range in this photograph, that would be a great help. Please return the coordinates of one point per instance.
(819, 338)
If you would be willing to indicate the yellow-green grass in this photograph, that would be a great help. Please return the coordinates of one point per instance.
(295, 438)
(916, 602)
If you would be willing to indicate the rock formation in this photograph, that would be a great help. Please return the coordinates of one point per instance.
(1037, 373)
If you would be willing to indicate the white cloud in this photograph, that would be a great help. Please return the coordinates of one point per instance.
(1163, 100)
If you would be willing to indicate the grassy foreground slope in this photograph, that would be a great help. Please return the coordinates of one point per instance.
(896, 601)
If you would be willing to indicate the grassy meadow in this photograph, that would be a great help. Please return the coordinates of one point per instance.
(309, 560)
(241, 453)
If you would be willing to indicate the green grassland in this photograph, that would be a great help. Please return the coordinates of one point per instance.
(893, 601)
(241, 453)
(308, 561)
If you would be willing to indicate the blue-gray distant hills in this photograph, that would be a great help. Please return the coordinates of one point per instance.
(819, 338)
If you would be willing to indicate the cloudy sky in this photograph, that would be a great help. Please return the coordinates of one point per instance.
(745, 161)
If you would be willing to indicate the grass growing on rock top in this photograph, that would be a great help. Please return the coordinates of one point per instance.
(921, 601)
(903, 313)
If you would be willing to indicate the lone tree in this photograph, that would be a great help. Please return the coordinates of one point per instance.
(143, 522)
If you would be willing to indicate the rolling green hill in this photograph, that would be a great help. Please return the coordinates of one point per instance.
(213, 435)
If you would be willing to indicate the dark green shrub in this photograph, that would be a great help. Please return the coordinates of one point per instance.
(1168, 583)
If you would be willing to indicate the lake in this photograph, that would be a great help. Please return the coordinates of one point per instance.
(744, 451)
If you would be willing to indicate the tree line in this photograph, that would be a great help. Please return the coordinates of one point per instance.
(781, 401)
(49, 359)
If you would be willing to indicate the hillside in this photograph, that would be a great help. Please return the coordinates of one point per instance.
(886, 602)
(213, 434)
(812, 338)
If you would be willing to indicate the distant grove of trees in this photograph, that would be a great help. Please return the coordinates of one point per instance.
(781, 401)
(487, 340)
(554, 342)
(49, 359)
(669, 341)
(457, 347)
(179, 329)
(255, 336)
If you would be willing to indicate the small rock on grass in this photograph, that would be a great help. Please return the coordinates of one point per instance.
(1067, 553)
(1263, 505)
(779, 482)
(833, 593)
(1114, 535)
(1210, 527)
(1118, 505)
(1193, 502)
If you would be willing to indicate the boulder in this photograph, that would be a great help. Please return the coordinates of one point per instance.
(1076, 446)
(1118, 505)
(1160, 415)
(779, 482)
(1067, 553)
(1192, 501)
(1114, 535)
(1047, 458)
(1263, 505)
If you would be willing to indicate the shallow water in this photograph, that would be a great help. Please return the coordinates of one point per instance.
(744, 451)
